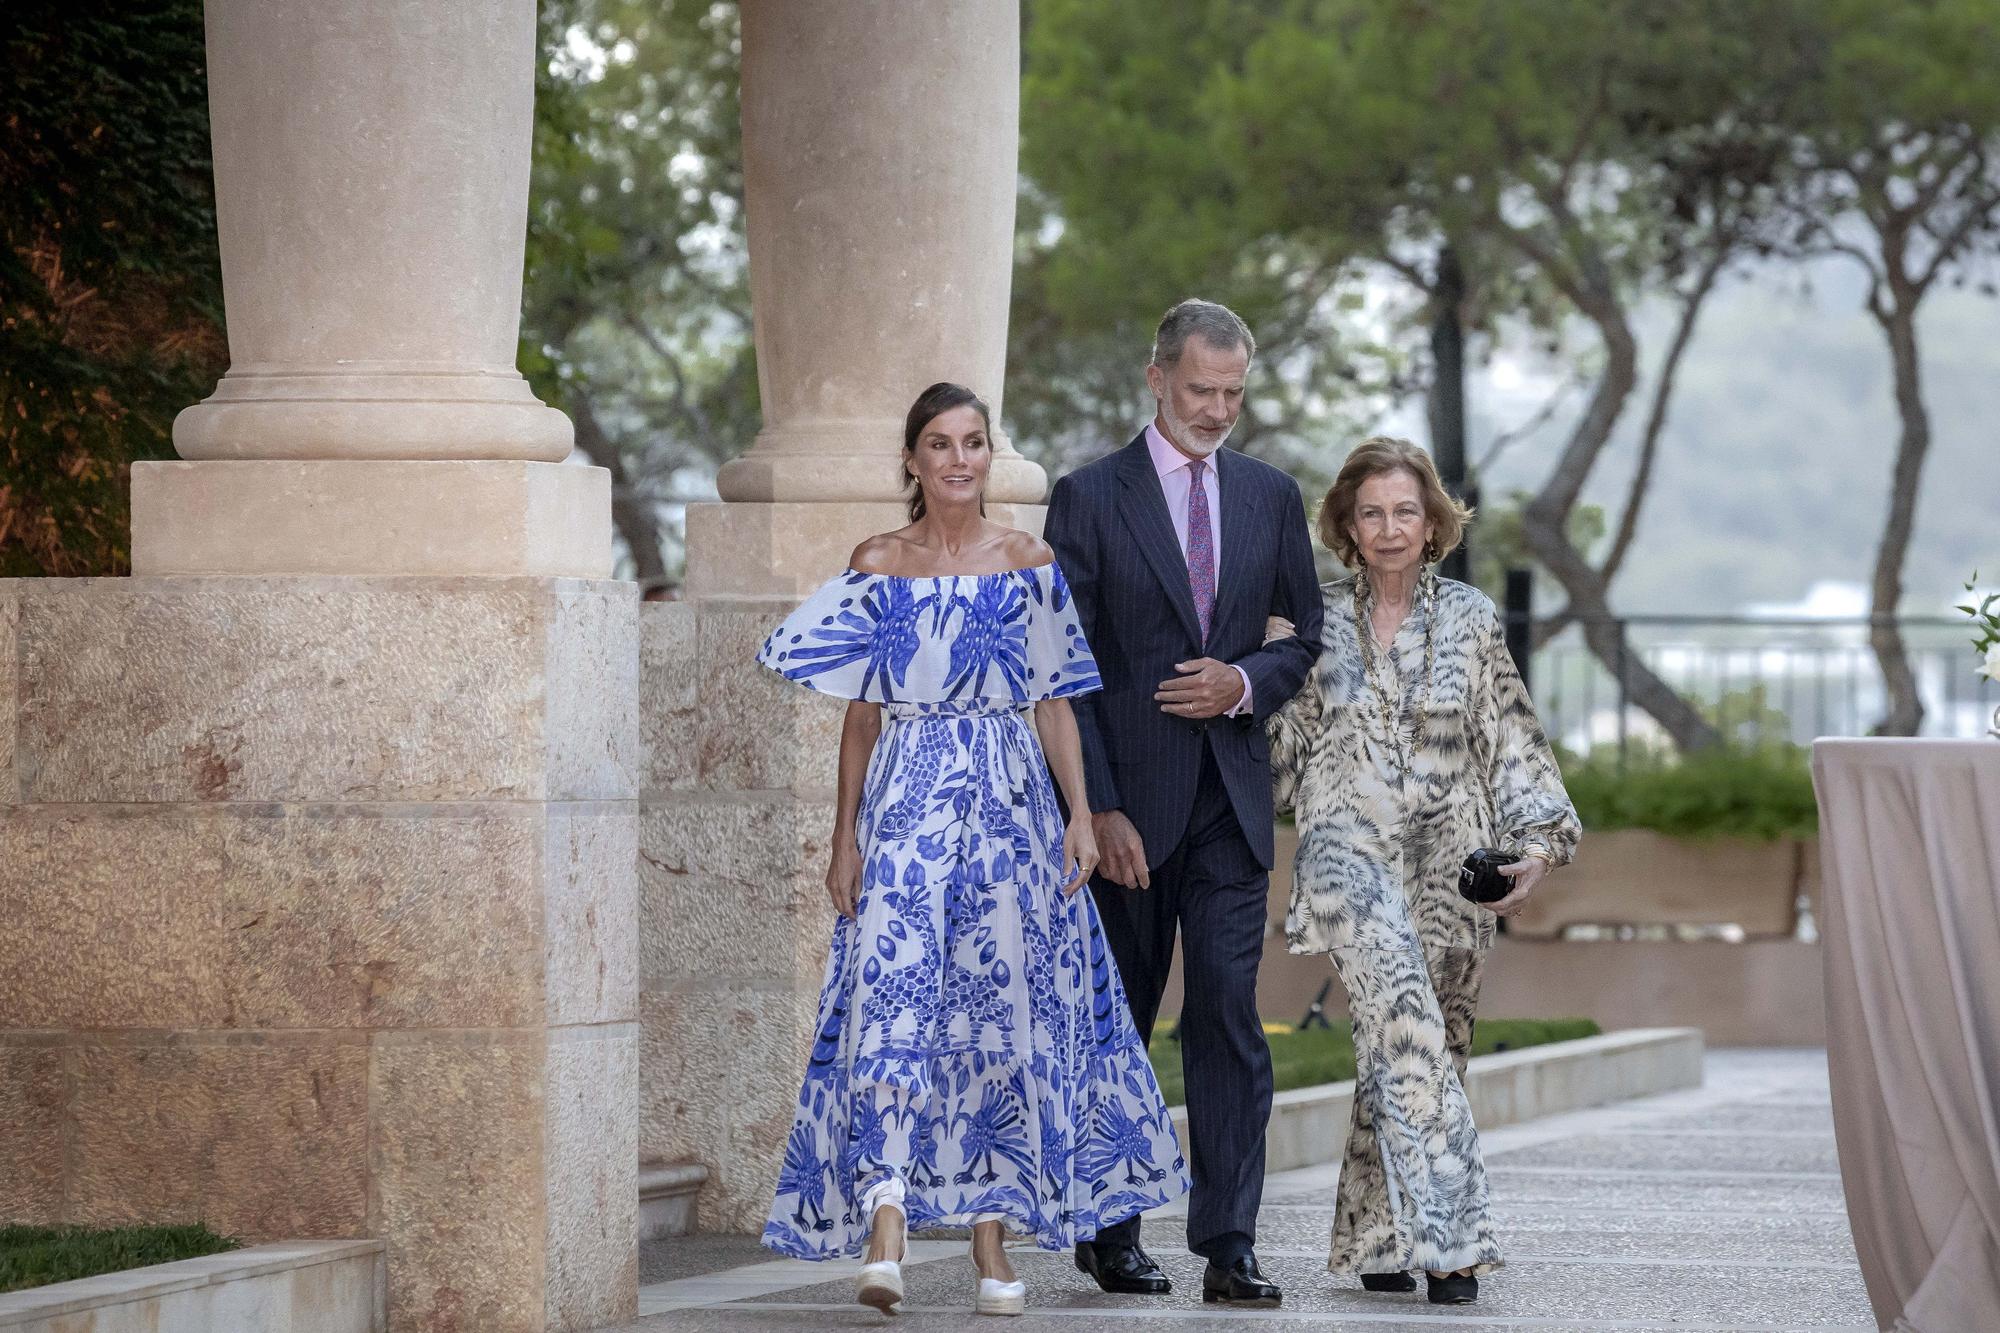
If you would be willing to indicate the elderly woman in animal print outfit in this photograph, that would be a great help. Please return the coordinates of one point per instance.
(1412, 744)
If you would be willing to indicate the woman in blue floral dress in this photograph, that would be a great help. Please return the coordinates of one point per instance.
(974, 1064)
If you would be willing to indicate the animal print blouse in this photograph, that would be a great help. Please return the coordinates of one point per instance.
(1480, 774)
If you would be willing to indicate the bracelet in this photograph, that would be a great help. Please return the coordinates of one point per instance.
(1542, 854)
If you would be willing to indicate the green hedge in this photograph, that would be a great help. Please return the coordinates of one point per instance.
(37, 1256)
(1730, 793)
(1326, 1055)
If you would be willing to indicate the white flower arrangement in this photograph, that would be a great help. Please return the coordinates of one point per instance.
(1986, 629)
(1986, 641)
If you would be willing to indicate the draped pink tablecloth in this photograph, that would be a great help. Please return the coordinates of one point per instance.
(1910, 859)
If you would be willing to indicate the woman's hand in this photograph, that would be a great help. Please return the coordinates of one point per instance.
(1526, 873)
(843, 876)
(1277, 627)
(1079, 855)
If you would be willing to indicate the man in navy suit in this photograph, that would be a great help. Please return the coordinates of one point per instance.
(1177, 550)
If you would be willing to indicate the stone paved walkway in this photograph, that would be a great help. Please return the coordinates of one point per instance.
(1716, 1209)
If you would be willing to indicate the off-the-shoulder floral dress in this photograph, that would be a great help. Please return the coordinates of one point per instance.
(973, 1047)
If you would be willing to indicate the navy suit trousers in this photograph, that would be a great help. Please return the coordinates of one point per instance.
(1213, 891)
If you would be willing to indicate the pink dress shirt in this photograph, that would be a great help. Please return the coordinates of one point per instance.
(1175, 478)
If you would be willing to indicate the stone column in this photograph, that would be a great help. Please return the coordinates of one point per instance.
(371, 174)
(318, 880)
(879, 145)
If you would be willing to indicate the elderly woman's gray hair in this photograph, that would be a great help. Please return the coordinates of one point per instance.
(1217, 325)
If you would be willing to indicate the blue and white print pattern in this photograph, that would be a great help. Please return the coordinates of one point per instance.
(973, 1037)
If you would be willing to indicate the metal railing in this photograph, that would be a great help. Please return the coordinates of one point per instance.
(1759, 680)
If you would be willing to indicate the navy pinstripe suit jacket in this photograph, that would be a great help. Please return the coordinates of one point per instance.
(1109, 525)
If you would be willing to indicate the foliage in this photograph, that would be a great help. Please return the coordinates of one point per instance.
(636, 309)
(110, 291)
(1307, 1058)
(1746, 718)
(37, 1256)
(1985, 626)
(1576, 155)
(1500, 540)
(1128, 204)
(1725, 792)
(1895, 129)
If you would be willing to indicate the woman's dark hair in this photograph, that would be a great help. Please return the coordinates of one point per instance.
(932, 403)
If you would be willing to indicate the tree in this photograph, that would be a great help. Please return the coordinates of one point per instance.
(1898, 132)
(1577, 155)
(110, 287)
(1128, 205)
(636, 314)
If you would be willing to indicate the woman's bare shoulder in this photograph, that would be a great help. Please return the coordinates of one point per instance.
(1024, 550)
(884, 553)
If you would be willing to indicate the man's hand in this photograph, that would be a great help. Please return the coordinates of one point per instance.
(1205, 688)
(1122, 855)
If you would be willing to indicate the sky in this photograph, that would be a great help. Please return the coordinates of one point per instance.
(1773, 475)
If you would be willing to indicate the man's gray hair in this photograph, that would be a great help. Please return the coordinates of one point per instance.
(1217, 325)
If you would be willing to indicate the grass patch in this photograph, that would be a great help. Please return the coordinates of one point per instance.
(1326, 1055)
(37, 1256)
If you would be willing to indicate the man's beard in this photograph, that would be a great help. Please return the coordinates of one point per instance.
(1190, 438)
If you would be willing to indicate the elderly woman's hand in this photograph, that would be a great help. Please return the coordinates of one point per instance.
(1277, 627)
(1526, 873)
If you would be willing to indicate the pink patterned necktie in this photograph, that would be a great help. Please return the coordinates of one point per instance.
(1200, 549)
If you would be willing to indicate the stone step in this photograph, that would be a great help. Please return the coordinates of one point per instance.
(667, 1192)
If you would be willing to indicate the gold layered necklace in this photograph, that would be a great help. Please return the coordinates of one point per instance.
(1404, 727)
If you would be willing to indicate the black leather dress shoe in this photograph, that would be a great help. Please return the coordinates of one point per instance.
(1388, 1282)
(1122, 1270)
(1239, 1283)
(1453, 1290)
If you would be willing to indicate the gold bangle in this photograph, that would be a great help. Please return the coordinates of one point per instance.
(1542, 854)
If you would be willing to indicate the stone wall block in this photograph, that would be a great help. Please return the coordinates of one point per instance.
(760, 732)
(590, 917)
(720, 1069)
(734, 887)
(668, 675)
(141, 1123)
(203, 690)
(258, 1138)
(288, 1156)
(456, 1156)
(593, 1186)
(361, 919)
(700, 928)
(673, 745)
(110, 920)
(34, 1096)
(592, 720)
(670, 724)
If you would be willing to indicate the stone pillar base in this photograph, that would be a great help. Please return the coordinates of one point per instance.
(319, 905)
(788, 549)
(310, 413)
(489, 518)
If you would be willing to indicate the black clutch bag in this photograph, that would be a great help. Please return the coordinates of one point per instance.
(1480, 880)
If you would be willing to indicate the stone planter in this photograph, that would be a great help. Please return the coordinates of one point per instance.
(1638, 877)
(1309, 1125)
(305, 1286)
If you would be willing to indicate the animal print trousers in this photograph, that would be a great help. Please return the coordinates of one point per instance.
(1412, 1184)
